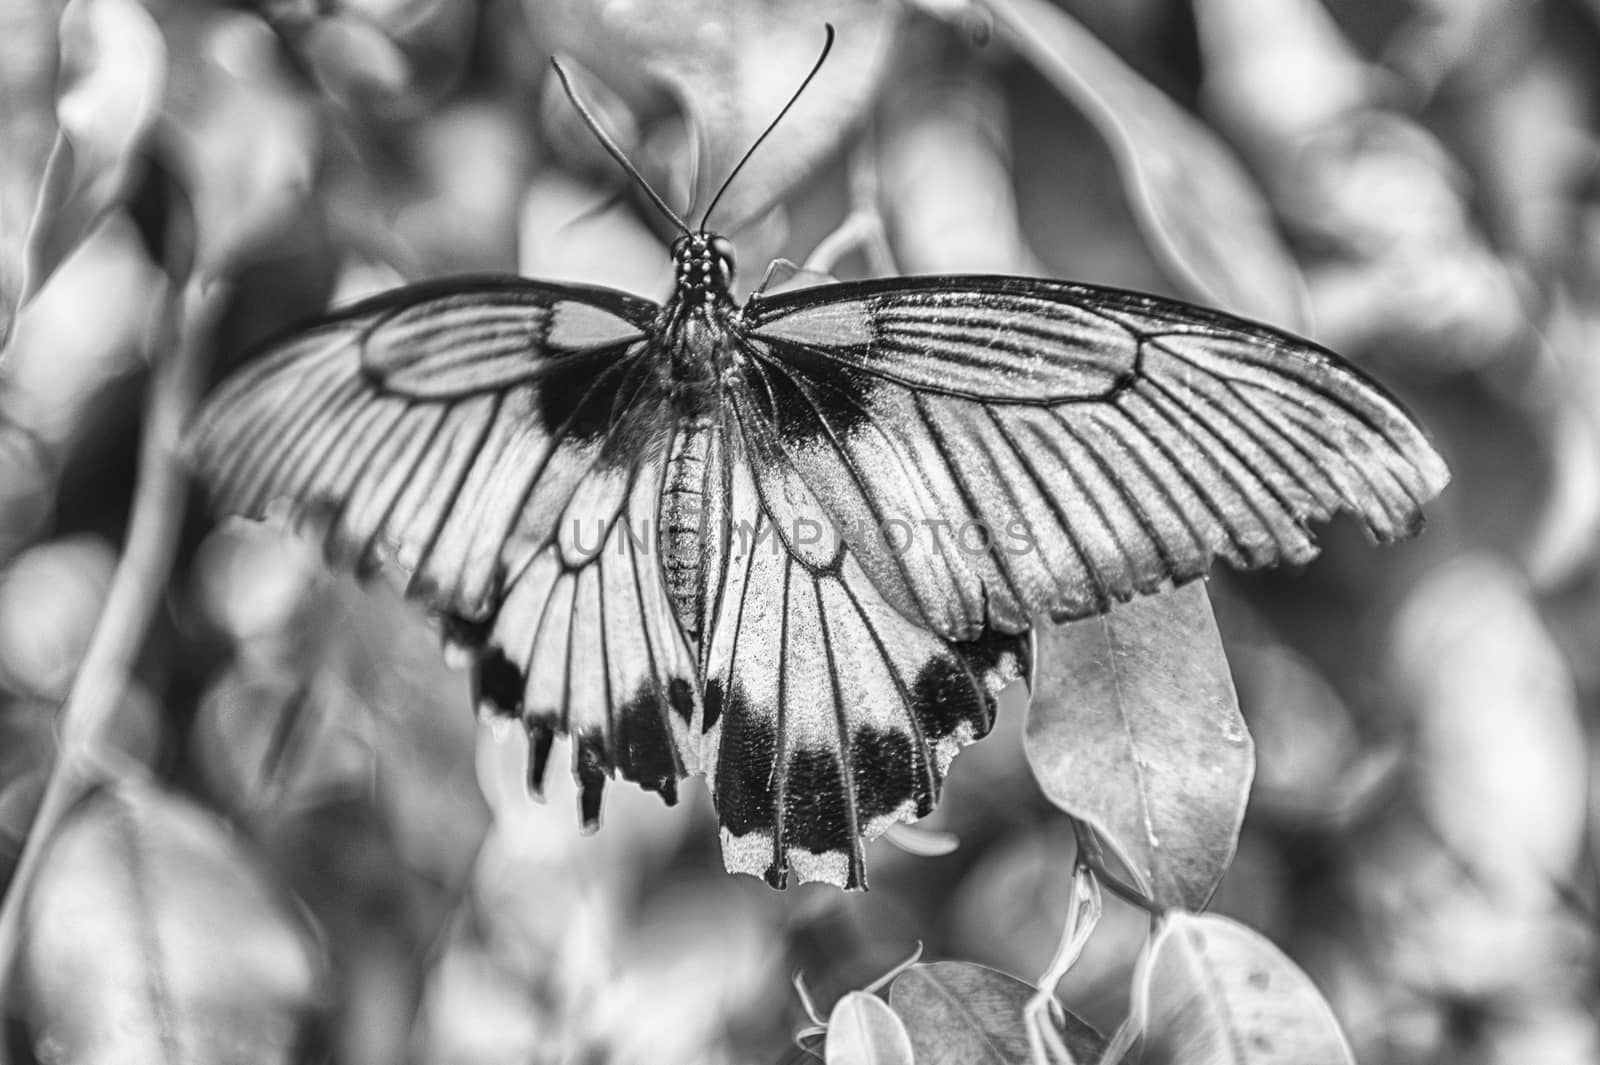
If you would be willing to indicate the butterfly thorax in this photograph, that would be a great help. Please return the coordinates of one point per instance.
(696, 330)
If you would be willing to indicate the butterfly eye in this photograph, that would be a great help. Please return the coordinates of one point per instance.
(723, 250)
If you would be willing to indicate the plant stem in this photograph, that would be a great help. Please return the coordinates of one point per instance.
(1092, 853)
(85, 759)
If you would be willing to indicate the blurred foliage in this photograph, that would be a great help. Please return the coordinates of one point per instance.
(1416, 184)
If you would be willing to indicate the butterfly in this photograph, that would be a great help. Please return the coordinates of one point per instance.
(795, 545)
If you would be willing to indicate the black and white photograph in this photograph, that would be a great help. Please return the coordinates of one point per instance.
(749, 532)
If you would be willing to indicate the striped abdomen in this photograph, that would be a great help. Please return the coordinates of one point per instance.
(682, 518)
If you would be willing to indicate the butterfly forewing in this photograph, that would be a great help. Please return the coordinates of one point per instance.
(1079, 445)
(502, 441)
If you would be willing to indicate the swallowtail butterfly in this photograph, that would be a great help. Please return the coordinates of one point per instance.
(795, 544)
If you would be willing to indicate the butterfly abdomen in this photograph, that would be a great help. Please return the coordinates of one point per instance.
(682, 522)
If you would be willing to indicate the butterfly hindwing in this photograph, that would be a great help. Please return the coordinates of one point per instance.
(829, 714)
(1059, 447)
(501, 440)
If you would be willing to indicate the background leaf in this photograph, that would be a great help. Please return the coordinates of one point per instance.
(959, 216)
(1182, 180)
(244, 144)
(30, 57)
(1394, 260)
(1495, 709)
(732, 67)
(1212, 992)
(113, 75)
(863, 1030)
(1136, 729)
(151, 936)
(963, 1014)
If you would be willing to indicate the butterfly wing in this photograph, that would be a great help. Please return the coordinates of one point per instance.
(915, 469)
(829, 715)
(1059, 447)
(503, 442)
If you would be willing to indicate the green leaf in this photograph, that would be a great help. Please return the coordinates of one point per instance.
(958, 1013)
(150, 936)
(1136, 729)
(1200, 210)
(1212, 992)
(863, 1030)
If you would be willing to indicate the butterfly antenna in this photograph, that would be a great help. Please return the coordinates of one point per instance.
(827, 46)
(616, 153)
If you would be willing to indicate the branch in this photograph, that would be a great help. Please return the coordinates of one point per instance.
(85, 760)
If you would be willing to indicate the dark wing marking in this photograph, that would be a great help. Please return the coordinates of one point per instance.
(828, 714)
(1060, 447)
(586, 645)
(378, 421)
(501, 440)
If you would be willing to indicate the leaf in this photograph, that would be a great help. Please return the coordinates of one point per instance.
(1278, 71)
(27, 753)
(329, 700)
(29, 63)
(245, 145)
(1212, 992)
(64, 363)
(1502, 770)
(615, 248)
(732, 67)
(1568, 533)
(1199, 209)
(1136, 729)
(958, 1013)
(113, 75)
(961, 215)
(1312, 769)
(50, 599)
(151, 936)
(272, 747)
(27, 488)
(1444, 41)
(863, 1030)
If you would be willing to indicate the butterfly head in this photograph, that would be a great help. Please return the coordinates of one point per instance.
(705, 267)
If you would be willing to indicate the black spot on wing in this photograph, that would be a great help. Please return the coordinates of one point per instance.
(593, 767)
(541, 739)
(572, 393)
(1005, 655)
(465, 632)
(713, 700)
(746, 800)
(680, 696)
(498, 681)
(833, 397)
(950, 690)
(887, 772)
(816, 812)
(944, 698)
(645, 752)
